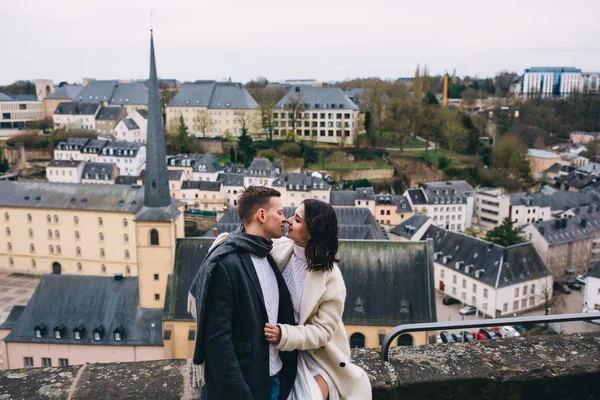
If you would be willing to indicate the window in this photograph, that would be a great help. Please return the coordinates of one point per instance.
(125, 222)
(485, 293)
(100, 221)
(33, 264)
(57, 234)
(79, 267)
(30, 233)
(515, 305)
(524, 303)
(453, 278)
(474, 288)
(49, 219)
(533, 288)
(31, 248)
(77, 235)
(473, 300)
(29, 218)
(7, 231)
(464, 283)
(357, 340)
(127, 254)
(58, 250)
(454, 291)
(56, 219)
(154, 237)
(103, 268)
(524, 290)
(78, 251)
(101, 236)
(505, 307)
(51, 249)
(49, 234)
(76, 220)
(516, 292)
(11, 262)
(102, 253)
(6, 216)
(63, 362)
(531, 301)
(28, 361)
(126, 238)
(155, 277)
(46, 362)
(442, 273)
(156, 296)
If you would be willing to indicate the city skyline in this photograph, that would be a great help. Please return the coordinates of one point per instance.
(386, 39)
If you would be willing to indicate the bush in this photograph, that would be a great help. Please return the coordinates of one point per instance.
(269, 154)
(443, 162)
(291, 150)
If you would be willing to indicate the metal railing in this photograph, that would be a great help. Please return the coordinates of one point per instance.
(480, 323)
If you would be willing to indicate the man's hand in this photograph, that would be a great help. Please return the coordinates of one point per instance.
(272, 333)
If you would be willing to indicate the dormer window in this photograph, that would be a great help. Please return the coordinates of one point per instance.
(39, 330)
(59, 331)
(78, 332)
(98, 333)
(119, 331)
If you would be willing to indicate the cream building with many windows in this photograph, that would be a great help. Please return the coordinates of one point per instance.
(211, 109)
(17, 110)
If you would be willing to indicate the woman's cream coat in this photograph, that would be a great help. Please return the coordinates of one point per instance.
(320, 330)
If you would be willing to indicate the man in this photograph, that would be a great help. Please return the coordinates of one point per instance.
(237, 290)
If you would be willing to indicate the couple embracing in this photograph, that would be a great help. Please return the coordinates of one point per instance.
(269, 308)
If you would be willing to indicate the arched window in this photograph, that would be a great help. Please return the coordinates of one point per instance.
(33, 264)
(102, 253)
(127, 254)
(76, 220)
(49, 218)
(30, 232)
(57, 234)
(31, 248)
(128, 269)
(7, 231)
(125, 222)
(126, 238)
(79, 267)
(9, 246)
(51, 249)
(76, 235)
(6, 216)
(78, 251)
(101, 236)
(28, 217)
(100, 221)
(357, 340)
(49, 233)
(153, 237)
(56, 219)
(103, 268)
(11, 262)
(58, 250)
(405, 340)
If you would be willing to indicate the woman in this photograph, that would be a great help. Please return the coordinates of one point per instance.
(310, 270)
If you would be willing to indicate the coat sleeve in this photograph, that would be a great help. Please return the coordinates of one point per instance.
(220, 354)
(320, 328)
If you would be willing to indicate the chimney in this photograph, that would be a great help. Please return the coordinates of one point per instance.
(584, 223)
(557, 224)
(118, 276)
(564, 222)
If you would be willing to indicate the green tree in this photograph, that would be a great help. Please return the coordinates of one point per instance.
(245, 150)
(232, 155)
(183, 140)
(4, 167)
(453, 130)
(505, 234)
(510, 154)
(367, 122)
(430, 99)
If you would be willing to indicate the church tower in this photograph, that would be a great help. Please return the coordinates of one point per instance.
(160, 222)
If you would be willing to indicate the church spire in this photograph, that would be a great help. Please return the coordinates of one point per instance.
(156, 185)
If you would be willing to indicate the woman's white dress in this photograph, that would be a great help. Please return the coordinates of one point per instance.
(305, 386)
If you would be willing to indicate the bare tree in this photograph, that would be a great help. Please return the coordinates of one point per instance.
(267, 99)
(554, 302)
(202, 122)
(295, 108)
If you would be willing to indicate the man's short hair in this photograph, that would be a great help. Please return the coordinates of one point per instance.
(253, 198)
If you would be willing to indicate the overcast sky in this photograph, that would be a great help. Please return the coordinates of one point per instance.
(279, 39)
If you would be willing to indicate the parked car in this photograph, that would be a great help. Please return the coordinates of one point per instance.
(581, 279)
(573, 284)
(445, 337)
(495, 329)
(561, 287)
(486, 334)
(520, 328)
(449, 300)
(509, 331)
(464, 337)
(466, 310)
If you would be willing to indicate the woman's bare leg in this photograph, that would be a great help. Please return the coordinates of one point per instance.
(322, 386)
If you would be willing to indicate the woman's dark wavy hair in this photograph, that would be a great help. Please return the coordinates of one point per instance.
(321, 223)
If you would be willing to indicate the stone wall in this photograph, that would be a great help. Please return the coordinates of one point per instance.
(355, 174)
(544, 367)
(18, 157)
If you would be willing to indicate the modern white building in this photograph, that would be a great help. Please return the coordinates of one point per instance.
(551, 81)
(17, 110)
(129, 157)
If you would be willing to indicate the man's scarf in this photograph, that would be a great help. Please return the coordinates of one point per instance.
(236, 241)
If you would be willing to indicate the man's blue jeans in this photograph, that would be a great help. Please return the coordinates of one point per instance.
(274, 386)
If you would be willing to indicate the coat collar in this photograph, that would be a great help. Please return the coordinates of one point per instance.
(251, 271)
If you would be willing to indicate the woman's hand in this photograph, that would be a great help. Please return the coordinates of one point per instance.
(272, 333)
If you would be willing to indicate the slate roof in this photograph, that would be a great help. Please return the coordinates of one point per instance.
(387, 283)
(302, 181)
(113, 92)
(554, 233)
(408, 228)
(142, 112)
(25, 97)
(172, 175)
(365, 193)
(130, 124)
(555, 168)
(592, 168)
(417, 196)
(261, 167)
(97, 91)
(47, 195)
(201, 185)
(324, 98)
(109, 113)
(121, 148)
(208, 164)
(72, 144)
(103, 170)
(502, 266)
(557, 201)
(65, 163)
(66, 92)
(126, 180)
(76, 108)
(214, 95)
(13, 317)
(353, 223)
(91, 301)
(183, 160)
(231, 179)
(452, 192)
(342, 198)
(94, 146)
(5, 97)
(541, 153)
